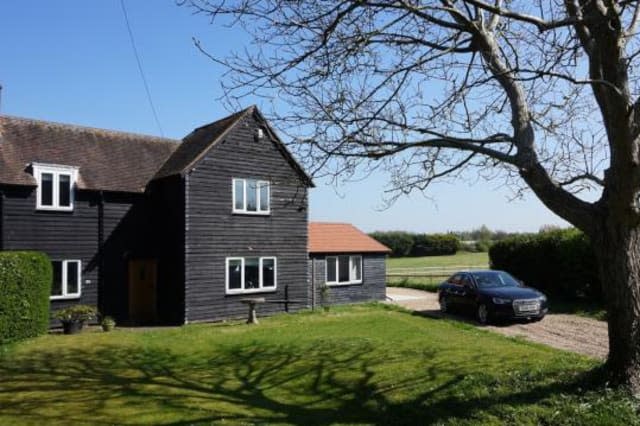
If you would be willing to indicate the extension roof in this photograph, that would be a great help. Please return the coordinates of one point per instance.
(341, 238)
(110, 160)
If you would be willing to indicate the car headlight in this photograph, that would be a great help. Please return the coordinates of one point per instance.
(543, 298)
(501, 301)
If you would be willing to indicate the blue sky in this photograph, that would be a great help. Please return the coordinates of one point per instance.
(71, 61)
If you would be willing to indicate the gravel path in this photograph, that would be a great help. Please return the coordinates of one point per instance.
(569, 332)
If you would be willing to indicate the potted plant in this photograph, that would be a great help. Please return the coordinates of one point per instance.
(107, 323)
(74, 317)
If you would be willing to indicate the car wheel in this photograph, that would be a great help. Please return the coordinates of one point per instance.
(538, 319)
(483, 314)
(444, 305)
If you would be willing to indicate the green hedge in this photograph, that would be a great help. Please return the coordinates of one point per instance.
(558, 262)
(400, 243)
(25, 286)
(435, 245)
(408, 244)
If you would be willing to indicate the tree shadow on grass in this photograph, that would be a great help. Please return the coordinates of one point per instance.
(253, 383)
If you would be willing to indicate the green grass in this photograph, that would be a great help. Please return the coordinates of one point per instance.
(355, 365)
(462, 258)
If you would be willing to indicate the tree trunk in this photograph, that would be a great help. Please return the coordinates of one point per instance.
(618, 252)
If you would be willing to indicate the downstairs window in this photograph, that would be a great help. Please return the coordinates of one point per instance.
(250, 274)
(66, 279)
(346, 269)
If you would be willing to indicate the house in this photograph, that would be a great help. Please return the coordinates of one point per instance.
(153, 230)
(348, 262)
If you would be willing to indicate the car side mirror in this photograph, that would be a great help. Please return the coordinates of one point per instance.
(522, 284)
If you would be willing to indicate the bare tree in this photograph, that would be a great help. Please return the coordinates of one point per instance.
(541, 93)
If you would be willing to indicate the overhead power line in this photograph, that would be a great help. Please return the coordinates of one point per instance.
(144, 79)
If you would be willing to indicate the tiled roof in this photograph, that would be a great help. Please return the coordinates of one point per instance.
(341, 238)
(107, 160)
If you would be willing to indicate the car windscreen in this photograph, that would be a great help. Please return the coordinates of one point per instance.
(494, 279)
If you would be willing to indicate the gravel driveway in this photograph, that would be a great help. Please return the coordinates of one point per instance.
(569, 332)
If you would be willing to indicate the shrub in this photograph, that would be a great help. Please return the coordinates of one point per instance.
(558, 262)
(73, 313)
(25, 286)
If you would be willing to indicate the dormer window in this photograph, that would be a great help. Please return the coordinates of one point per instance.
(55, 186)
(251, 196)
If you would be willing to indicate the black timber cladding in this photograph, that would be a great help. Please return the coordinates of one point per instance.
(213, 233)
(68, 235)
(372, 288)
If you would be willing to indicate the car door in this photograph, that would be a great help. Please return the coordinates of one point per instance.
(467, 294)
(452, 288)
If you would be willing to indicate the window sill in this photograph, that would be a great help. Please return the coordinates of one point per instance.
(68, 297)
(241, 292)
(343, 284)
(243, 213)
(54, 209)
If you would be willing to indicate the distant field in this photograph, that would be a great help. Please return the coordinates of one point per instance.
(425, 273)
(463, 259)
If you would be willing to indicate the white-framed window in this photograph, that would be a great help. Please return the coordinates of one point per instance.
(67, 279)
(250, 274)
(344, 269)
(251, 196)
(56, 186)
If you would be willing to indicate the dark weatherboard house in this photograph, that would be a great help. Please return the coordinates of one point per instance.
(157, 230)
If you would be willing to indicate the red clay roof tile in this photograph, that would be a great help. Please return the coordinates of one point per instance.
(341, 238)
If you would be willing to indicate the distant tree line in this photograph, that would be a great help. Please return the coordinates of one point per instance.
(479, 239)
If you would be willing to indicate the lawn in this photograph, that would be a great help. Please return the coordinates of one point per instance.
(461, 259)
(355, 365)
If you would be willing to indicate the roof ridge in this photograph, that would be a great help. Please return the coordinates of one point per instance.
(152, 138)
(233, 115)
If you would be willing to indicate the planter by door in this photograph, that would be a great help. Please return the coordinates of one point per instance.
(72, 327)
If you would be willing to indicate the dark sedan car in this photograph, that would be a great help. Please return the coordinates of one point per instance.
(491, 295)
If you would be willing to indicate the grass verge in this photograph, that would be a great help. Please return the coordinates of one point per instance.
(355, 365)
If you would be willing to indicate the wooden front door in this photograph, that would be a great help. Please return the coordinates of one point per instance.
(142, 290)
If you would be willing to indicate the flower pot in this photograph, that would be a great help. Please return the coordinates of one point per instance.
(107, 326)
(72, 327)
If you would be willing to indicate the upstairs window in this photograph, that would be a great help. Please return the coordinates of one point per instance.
(344, 269)
(250, 274)
(55, 186)
(251, 196)
(66, 279)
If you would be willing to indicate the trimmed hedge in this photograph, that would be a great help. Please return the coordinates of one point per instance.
(25, 286)
(400, 243)
(407, 244)
(559, 262)
(435, 245)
